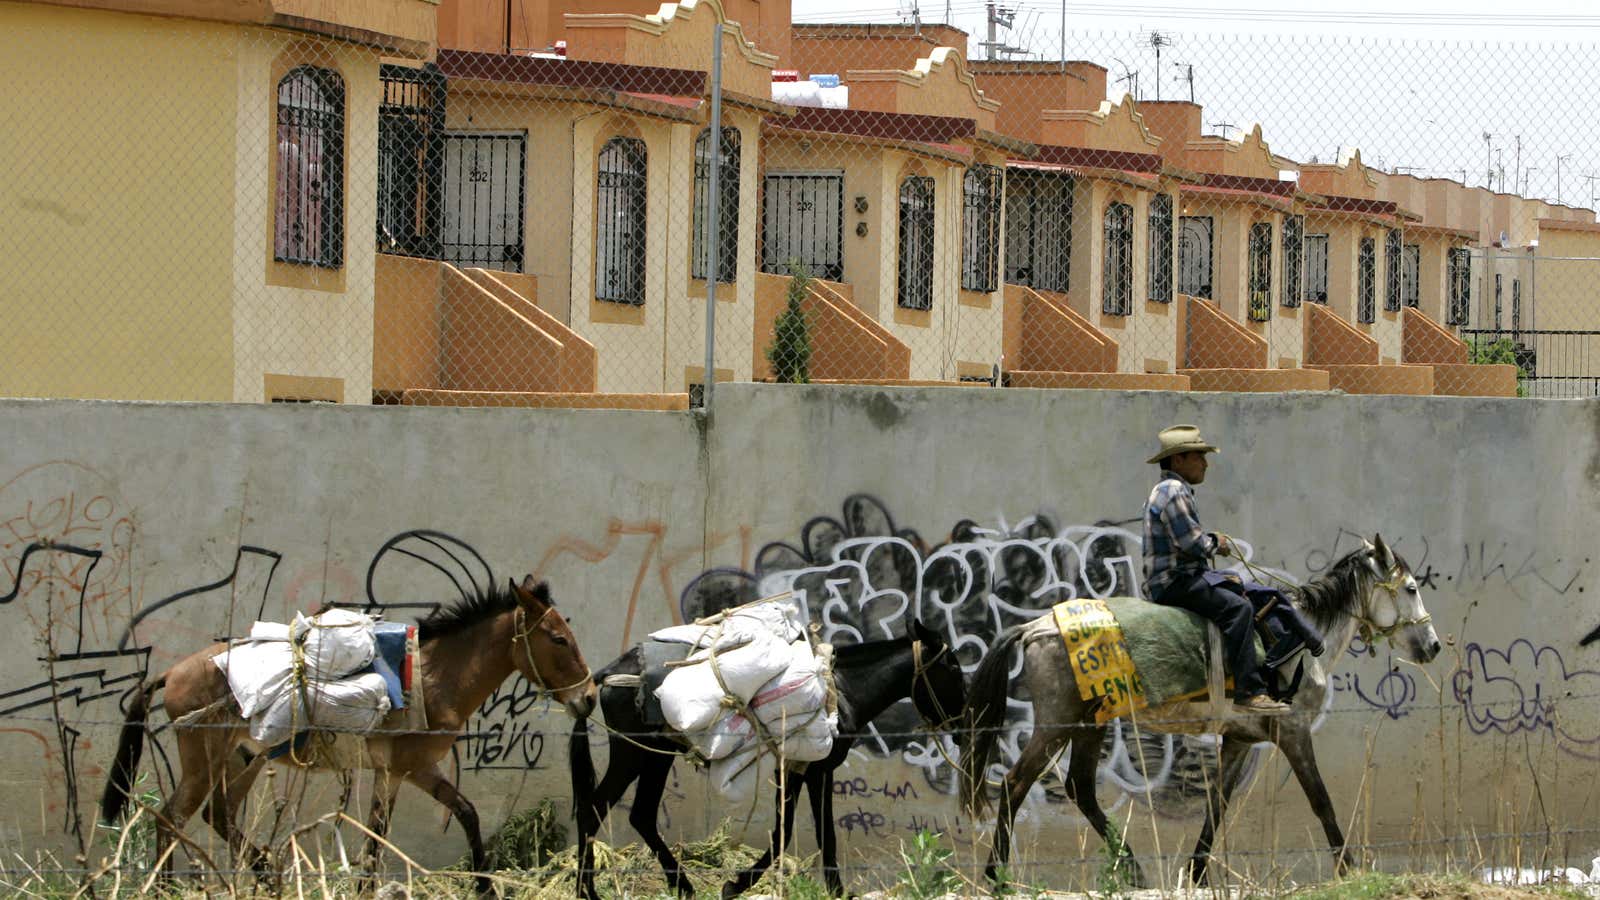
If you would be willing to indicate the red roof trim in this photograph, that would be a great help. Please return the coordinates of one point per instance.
(1274, 186)
(581, 73)
(1124, 160)
(1337, 203)
(886, 125)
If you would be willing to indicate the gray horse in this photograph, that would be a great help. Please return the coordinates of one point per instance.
(1370, 591)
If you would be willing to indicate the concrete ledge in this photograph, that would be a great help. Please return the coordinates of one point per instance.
(1256, 381)
(1409, 380)
(1113, 381)
(900, 382)
(1467, 380)
(547, 400)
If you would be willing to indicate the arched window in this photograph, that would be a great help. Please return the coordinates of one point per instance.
(1261, 271)
(980, 229)
(1391, 270)
(1294, 248)
(1118, 298)
(1161, 248)
(308, 223)
(728, 206)
(620, 226)
(1366, 280)
(916, 243)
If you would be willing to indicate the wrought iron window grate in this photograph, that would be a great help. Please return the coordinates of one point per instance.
(980, 228)
(915, 284)
(1392, 249)
(1161, 248)
(1117, 299)
(728, 207)
(1367, 281)
(1294, 248)
(1316, 289)
(1260, 271)
(1460, 275)
(1038, 249)
(410, 159)
(309, 209)
(803, 224)
(620, 227)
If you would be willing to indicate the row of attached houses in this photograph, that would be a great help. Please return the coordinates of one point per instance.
(537, 209)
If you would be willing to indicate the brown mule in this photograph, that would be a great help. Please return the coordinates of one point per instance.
(467, 651)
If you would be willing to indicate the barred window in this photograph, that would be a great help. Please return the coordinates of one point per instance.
(1194, 255)
(1294, 239)
(1039, 229)
(980, 228)
(1411, 276)
(915, 289)
(410, 159)
(1316, 289)
(728, 206)
(1118, 297)
(1516, 307)
(803, 224)
(1261, 271)
(1161, 248)
(1391, 270)
(1460, 286)
(1367, 281)
(1497, 301)
(308, 226)
(620, 222)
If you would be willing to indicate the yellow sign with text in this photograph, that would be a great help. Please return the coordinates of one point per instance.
(1101, 664)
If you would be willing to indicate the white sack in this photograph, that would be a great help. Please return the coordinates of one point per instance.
(357, 704)
(337, 643)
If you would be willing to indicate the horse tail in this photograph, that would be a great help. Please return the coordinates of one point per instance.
(985, 714)
(130, 747)
(582, 767)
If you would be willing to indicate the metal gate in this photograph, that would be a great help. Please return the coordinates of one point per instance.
(803, 222)
(410, 159)
(483, 199)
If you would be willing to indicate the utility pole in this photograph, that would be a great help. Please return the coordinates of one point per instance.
(1527, 177)
(1519, 161)
(998, 15)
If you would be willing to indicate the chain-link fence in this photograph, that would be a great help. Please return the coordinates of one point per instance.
(459, 205)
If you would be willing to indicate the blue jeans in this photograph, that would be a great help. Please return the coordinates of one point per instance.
(1234, 616)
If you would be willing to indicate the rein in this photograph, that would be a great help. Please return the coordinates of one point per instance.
(520, 636)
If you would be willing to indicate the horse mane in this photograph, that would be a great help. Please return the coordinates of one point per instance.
(1336, 596)
(473, 608)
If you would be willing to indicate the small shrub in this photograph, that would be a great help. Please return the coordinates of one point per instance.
(790, 350)
(927, 861)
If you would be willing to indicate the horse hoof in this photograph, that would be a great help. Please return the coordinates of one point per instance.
(1199, 873)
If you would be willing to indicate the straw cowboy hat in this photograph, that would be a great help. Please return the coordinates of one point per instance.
(1180, 439)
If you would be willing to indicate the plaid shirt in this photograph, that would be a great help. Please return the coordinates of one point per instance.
(1174, 543)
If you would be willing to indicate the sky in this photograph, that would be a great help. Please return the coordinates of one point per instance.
(1415, 87)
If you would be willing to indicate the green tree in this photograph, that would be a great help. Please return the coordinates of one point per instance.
(790, 350)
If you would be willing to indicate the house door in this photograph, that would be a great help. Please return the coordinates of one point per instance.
(803, 221)
(483, 197)
(1194, 256)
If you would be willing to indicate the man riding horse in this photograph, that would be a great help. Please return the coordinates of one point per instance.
(1178, 554)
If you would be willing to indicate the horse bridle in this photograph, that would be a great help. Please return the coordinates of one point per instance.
(521, 635)
(1369, 630)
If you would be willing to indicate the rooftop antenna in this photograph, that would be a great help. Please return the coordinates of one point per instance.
(1157, 41)
(1188, 76)
(1559, 161)
(998, 15)
(1224, 126)
(1130, 77)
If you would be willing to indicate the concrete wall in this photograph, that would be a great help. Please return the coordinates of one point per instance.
(279, 509)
